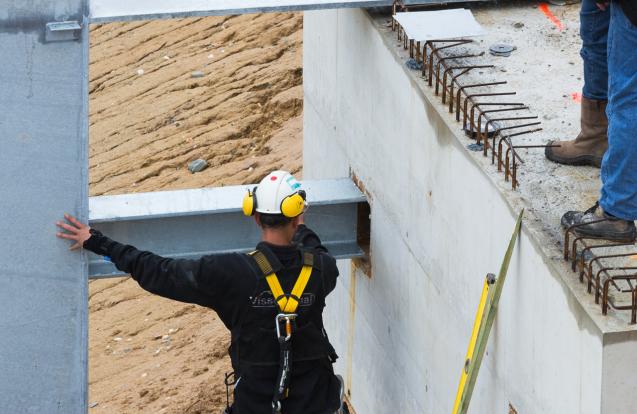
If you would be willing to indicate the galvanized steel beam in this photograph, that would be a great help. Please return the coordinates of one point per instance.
(43, 154)
(125, 10)
(192, 223)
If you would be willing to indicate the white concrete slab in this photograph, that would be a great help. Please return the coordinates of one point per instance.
(439, 24)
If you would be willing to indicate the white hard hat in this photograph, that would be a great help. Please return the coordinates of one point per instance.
(278, 193)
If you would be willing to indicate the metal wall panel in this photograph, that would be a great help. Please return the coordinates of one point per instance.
(192, 223)
(43, 173)
(122, 10)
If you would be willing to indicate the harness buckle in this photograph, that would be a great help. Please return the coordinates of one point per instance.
(288, 318)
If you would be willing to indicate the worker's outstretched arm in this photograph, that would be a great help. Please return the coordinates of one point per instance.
(176, 279)
(306, 238)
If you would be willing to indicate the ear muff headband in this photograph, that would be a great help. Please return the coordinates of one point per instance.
(249, 204)
(293, 205)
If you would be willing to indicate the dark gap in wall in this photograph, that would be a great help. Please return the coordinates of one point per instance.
(363, 231)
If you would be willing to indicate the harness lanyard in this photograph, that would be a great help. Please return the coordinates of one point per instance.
(287, 304)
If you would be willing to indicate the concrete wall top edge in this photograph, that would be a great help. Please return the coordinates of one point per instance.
(541, 225)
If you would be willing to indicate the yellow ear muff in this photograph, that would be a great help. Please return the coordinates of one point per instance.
(248, 203)
(293, 205)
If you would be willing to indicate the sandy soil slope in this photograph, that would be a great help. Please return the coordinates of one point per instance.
(150, 115)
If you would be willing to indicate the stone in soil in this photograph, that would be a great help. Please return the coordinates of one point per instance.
(197, 165)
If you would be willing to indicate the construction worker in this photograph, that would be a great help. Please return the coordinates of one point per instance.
(271, 300)
(608, 119)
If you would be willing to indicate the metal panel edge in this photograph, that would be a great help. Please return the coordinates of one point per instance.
(115, 17)
(204, 201)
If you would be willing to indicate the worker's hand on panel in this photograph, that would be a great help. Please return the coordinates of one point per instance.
(76, 231)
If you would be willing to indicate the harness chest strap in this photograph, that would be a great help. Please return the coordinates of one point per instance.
(287, 303)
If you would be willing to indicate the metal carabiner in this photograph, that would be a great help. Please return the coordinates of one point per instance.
(287, 318)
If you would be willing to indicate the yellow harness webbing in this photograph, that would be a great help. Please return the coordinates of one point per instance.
(287, 303)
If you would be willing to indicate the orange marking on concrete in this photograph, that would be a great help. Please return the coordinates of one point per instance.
(544, 8)
(577, 97)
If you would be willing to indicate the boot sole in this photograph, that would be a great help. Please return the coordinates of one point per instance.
(589, 160)
(623, 237)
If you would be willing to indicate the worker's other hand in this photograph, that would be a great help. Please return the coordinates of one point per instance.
(603, 5)
(76, 231)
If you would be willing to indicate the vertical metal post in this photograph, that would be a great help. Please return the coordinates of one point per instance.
(43, 173)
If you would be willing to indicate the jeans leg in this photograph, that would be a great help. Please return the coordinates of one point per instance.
(594, 33)
(619, 166)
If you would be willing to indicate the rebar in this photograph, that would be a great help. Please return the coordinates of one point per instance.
(462, 88)
(454, 80)
(490, 122)
(585, 261)
(507, 138)
(441, 62)
(435, 52)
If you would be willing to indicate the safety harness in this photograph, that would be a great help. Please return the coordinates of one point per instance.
(285, 319)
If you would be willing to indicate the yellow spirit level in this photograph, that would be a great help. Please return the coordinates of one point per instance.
(482, 326)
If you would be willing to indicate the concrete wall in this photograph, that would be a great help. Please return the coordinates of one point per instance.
(619, 384)
(439, 224)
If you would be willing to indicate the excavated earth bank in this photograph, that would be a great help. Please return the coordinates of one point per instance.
(225, 89)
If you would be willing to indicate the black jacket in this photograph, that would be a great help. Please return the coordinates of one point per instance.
(228, 284)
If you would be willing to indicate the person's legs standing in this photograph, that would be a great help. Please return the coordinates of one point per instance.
(594, 24)
(590, 145)
(619, 167)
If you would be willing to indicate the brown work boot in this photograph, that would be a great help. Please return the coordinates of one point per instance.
(591, 143)
(601, 225)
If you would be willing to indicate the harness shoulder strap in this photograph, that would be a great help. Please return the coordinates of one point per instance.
(308, 259)
(299, 287)
(262, 262)
(287, 304)
(270, 277)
